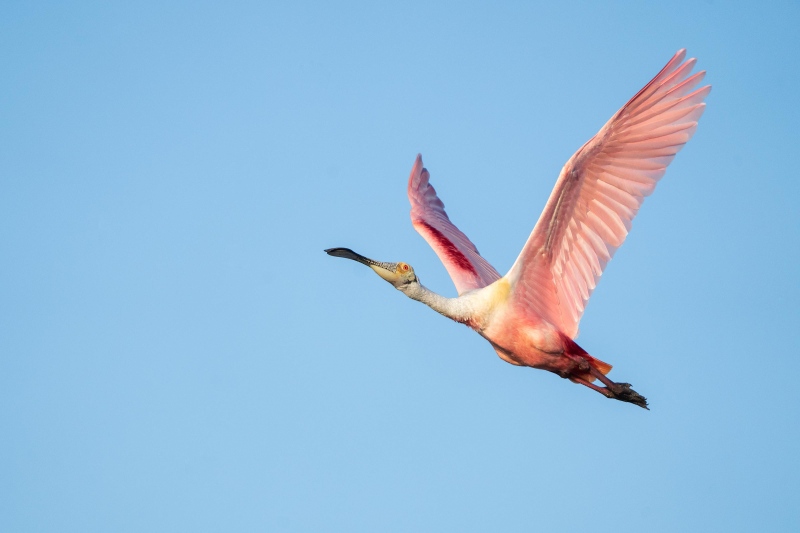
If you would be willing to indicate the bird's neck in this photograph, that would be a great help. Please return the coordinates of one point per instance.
(454, 308)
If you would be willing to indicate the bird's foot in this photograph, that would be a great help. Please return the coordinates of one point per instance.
(624, 393)
(617, 391)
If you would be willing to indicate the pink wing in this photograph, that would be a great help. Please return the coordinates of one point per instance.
(598, 193)
(460, 257)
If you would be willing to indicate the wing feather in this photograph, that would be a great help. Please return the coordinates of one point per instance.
(599, 192)
(460, 257)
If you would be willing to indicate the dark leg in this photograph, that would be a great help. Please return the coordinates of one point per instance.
(617, 391)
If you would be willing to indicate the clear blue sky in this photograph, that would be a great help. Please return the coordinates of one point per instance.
(178, 354)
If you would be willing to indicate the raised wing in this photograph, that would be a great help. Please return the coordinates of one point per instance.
(465, 265)
(598, 193)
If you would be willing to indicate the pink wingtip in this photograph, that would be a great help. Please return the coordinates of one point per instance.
(418, 166)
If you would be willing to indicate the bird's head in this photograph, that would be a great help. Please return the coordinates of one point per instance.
(400, 275)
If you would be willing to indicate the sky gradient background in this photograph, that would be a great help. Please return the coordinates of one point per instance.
(178, 354)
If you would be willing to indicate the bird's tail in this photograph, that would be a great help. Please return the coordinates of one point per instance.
(571, 349)
(601, 366)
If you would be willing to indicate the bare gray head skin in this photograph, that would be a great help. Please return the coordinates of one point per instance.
(400, 275)
(402, 278)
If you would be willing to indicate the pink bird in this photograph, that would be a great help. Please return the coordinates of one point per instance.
(530, 316)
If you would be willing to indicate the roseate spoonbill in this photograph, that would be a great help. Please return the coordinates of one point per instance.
(530, 316)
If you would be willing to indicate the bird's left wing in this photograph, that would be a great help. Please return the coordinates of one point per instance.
(598, 193)
(465, 265)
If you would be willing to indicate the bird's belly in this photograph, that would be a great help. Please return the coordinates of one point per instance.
(527, 343)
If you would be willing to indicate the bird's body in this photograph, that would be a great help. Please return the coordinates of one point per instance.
(523, 339)
(531, 315)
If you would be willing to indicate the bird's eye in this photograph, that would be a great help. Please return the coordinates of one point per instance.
(405, 268)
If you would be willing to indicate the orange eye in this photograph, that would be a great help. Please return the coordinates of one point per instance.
(405, 268)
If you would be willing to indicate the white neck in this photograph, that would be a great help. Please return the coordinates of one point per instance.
(454, 308)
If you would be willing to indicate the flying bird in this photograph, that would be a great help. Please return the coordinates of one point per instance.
(530, 316)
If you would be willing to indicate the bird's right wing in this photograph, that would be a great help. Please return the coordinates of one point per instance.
(598, 193)
(465, 265)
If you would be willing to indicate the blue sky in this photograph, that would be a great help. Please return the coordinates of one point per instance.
(178, 354)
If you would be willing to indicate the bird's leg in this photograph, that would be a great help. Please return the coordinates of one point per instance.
(602, 390)
(617, 391)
